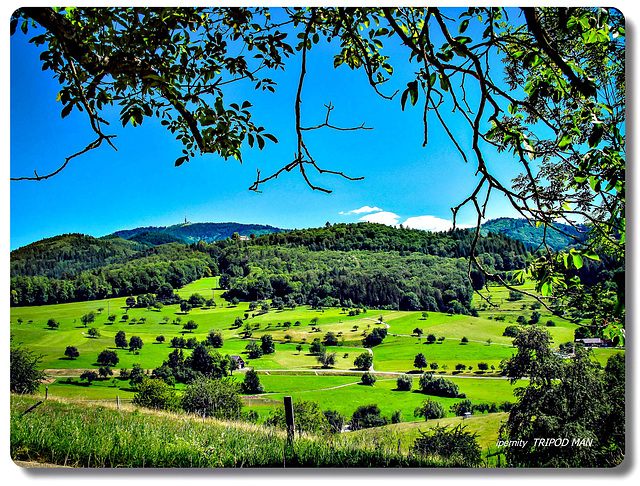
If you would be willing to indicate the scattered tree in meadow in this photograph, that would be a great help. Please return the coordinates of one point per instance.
(251, 383)
(440, 387)
(267, 344)
(121, 340)
(335, 419)
(368, 378)
(308, 417)
(431, 338)
(330, 339)
(215, 339)
(190, 325)
(464, 340)
(316, 347)
(254, 350)
(367, 416)
(185, 307)
(93, 332)
(430, 409)
(376, 337)
(53, 324)
(404, 382)
(363, 361)
(105, 372)
(89, 375)
(112, 318)
(420, 361)
(511, 331)
(88, 318)
(160, 339)
(71, 352)
(136, 375)
(25, 375)
(456, 444)
(326, 359)
(462, 407)
(299, 348)
(196, 300)
(108, 358)
(156, 394)
(418, 332)
(213, 397)
(135, 344)
(535, 317)
(233, 364)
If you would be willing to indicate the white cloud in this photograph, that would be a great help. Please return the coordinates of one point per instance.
(431, 223)
(363, 209)
(383, 217)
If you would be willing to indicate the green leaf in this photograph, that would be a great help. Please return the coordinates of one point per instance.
(66, 110)
(577, 260)
(403, 98)
(592, 255)
(444, 83)
(413, 91)
(564, 141)
(463, 26)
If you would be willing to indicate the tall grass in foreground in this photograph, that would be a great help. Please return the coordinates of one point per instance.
(79, 435)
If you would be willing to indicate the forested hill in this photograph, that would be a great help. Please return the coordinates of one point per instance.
(532, 236)
(363, 264)
(367, 264)
(506, 253)
(66, 255)
(194, 232)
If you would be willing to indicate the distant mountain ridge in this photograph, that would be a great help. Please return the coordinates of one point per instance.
(194, 232)
(532, 236)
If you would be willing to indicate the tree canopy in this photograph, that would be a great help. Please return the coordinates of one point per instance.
(560, 112)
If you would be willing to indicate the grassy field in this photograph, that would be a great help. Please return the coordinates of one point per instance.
(486, 426)
(81, 435)
(290, 371)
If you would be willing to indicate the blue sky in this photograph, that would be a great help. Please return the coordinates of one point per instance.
(138, 185)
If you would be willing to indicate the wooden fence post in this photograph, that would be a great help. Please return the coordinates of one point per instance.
(118, 401)
(46, 392)
(289, 419)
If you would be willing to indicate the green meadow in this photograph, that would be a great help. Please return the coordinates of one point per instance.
(292, 371)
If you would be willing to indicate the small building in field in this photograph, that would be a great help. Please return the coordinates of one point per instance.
(238, 360)
(591, 342)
